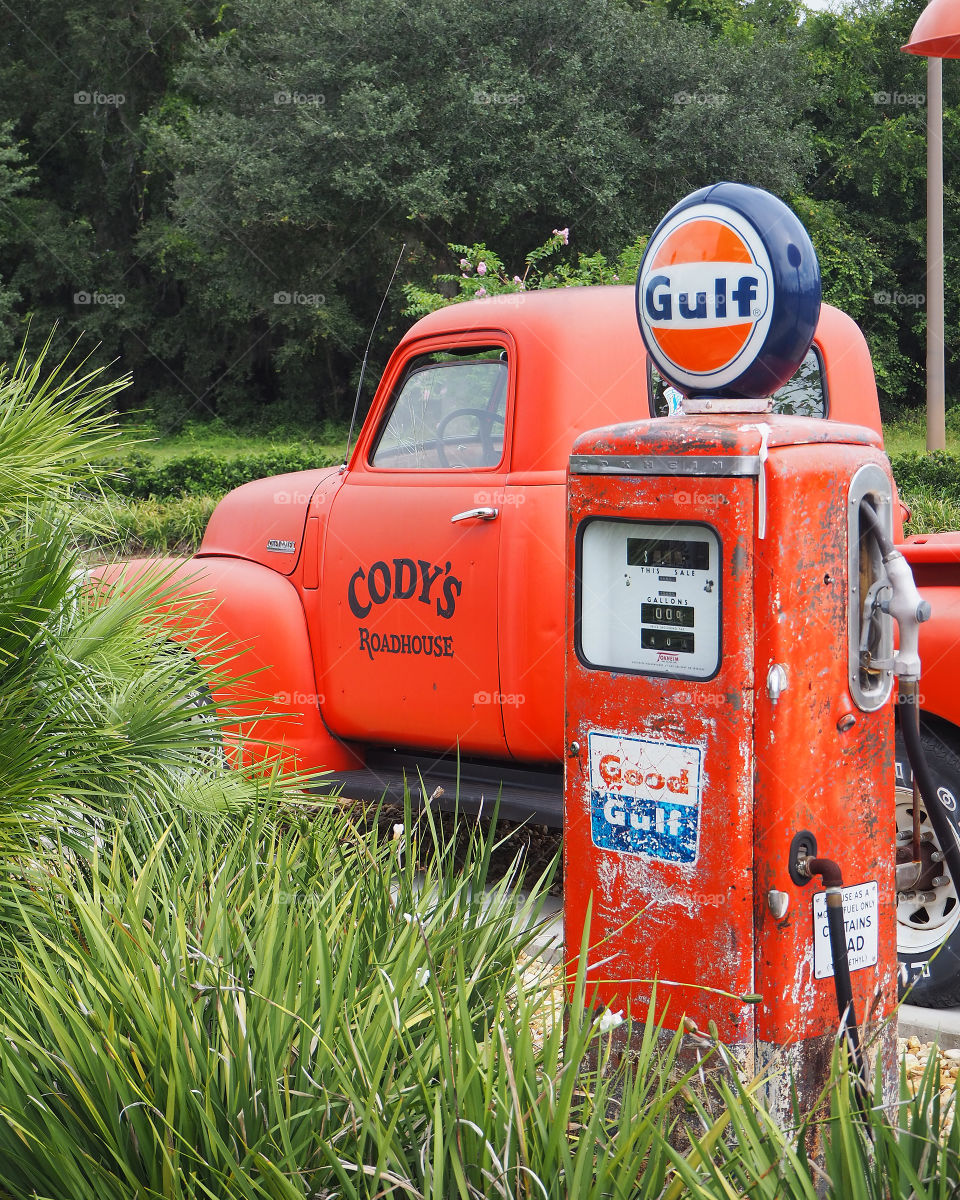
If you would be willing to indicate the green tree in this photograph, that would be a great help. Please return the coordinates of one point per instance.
(76, 80)
(217, 192)
(867, 208)
(325, 147)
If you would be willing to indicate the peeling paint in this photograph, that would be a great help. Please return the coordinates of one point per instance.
(767, 769)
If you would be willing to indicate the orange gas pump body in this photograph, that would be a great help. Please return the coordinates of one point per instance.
(696, 917)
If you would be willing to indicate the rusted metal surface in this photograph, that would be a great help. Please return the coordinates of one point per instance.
(776, 757)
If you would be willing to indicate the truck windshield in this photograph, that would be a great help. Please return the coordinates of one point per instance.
(448, 413)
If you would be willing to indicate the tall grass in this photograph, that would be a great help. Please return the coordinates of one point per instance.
(258, 1008)
(114, 526)
(930, 512)
(915, 1155)
(273, 1003)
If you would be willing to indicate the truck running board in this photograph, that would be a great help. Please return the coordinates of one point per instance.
(525, 793)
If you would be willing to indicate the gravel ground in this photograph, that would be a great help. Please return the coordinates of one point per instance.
(917, 1057)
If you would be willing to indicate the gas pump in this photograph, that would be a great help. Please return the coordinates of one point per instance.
(730, 665)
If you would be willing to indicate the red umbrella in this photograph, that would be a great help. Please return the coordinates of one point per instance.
(937, 31)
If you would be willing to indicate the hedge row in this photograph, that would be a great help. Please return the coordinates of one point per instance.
(137, 477)
(937, 472)
(127, 528)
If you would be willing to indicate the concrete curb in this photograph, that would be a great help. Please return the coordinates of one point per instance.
(940, 1025)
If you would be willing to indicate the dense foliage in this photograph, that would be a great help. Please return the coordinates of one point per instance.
(217, 192)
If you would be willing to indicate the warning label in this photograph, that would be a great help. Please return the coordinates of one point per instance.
(861, 913)
(645, 797)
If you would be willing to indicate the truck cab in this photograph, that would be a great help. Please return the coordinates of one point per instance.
(438, 622)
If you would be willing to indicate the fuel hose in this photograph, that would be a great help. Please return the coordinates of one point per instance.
(830, 873)
(907, 700)
(832, 878)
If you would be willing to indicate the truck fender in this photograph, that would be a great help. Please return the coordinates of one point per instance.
(938, 644)
(253, 635)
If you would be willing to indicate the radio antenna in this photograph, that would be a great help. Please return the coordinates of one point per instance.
(366, 355)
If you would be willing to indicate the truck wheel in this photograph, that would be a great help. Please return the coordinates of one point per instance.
(928, 916)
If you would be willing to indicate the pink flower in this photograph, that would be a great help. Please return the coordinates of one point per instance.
(464, 264)
(480, 292)
(563, 233)
(481, 267)
(517, 279)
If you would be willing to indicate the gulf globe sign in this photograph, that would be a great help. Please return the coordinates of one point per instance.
(728, 293)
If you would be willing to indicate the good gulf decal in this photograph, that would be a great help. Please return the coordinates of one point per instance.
(706, 294)
(728, 293)
(645, 796)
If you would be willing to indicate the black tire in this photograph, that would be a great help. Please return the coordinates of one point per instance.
(928, 932)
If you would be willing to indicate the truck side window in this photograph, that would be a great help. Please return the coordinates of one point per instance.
(805, 395)
(448, 413)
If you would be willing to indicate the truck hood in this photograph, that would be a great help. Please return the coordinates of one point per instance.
(264, 521)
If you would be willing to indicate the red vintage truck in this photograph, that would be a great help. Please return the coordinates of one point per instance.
(405, 612)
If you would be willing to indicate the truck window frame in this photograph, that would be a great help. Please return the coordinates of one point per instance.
(448, 351)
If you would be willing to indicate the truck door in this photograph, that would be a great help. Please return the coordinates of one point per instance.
(410, 574)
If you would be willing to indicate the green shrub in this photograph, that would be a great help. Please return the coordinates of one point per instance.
(938, 471)
(112, 526)
(929, 485)
(206, 473)
(98, 705)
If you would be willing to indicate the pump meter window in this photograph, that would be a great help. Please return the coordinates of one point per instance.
(649, 597)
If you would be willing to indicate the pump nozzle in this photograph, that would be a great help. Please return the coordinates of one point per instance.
(904, 603)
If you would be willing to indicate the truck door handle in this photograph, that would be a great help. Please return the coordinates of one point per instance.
(477, 514)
